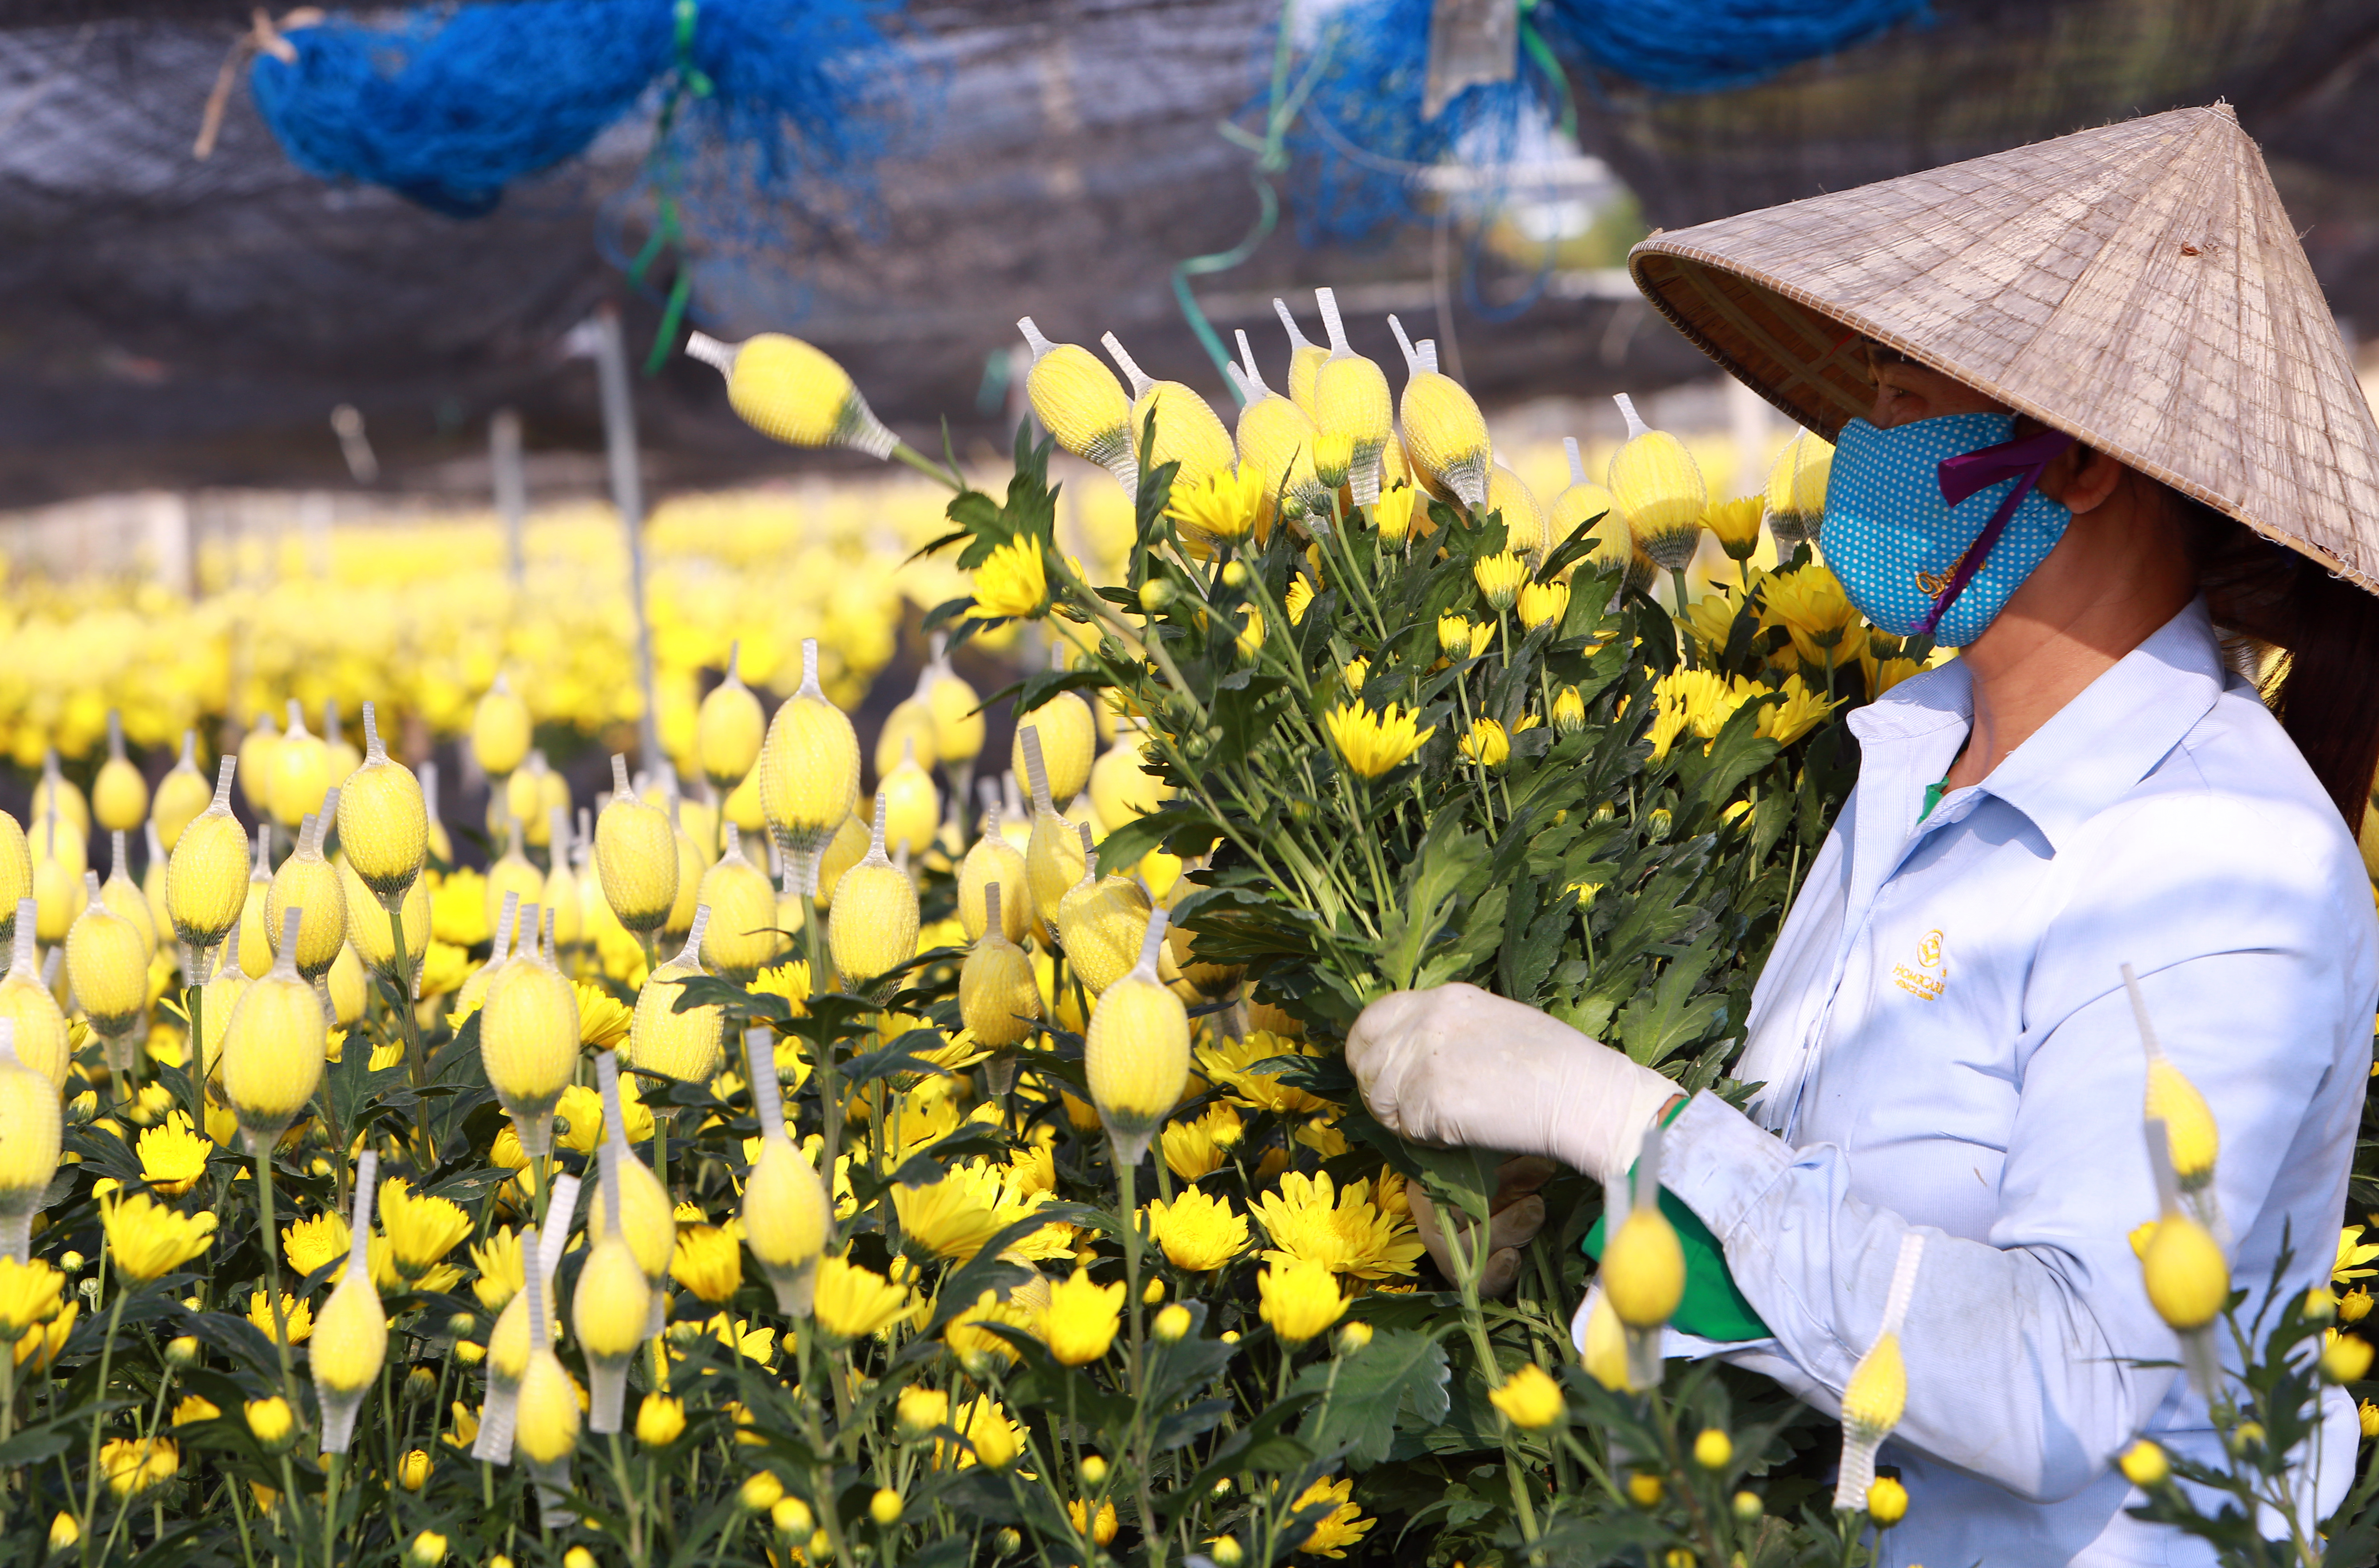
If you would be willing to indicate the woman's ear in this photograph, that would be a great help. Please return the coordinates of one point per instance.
(2081, 478)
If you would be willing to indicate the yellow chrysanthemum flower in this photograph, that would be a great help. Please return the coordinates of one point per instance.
(1486, 744)
(174, 1155)
(1499, 578)
(1197, 1148)
(1530, 1399)
(602, 1019)
(300, 1315)
(1373, 744)
(146, 1239)
(708, 1260)
(1308, 1220)
(1800, 711)
(1080, 1322)
(311, 1243)
(2353, 1252)
(1825, 627)
(1298, 1299)
(1299, 599)
(1012, 582)
(1222, 506)
(1230, 1064)
(1196, 1231)
(852, 1302)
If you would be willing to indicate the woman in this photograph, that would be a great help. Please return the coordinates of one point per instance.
(2062, 422)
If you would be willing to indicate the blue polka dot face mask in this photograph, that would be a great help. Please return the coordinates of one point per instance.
(1930, 526)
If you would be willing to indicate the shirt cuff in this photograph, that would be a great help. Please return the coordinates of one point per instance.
(1721, 1164)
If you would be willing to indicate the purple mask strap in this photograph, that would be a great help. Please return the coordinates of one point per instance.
(2022, 460)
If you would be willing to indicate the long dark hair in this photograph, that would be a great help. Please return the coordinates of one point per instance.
(2325, 692)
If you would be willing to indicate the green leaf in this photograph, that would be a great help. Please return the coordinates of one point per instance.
(1399, 1369)
(1446, 859)
(1671, 1015)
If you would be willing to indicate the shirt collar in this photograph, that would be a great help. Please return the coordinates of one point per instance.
(2112, 735)
(2095, 748)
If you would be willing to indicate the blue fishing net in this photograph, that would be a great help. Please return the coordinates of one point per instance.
(449, 106)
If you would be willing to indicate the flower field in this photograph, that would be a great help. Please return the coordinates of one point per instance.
(962, 1168)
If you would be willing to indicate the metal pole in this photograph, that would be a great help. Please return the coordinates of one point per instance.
(627, 494)
(511, 486)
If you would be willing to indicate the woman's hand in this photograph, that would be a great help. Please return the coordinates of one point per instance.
(1518, 1213)
(1462, 1067)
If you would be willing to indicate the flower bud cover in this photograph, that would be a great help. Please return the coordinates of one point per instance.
(682, 1046)
(124, 895)
(729, 727)
(1351, 400)
(384, 818)
(58, 866)
(257, 943)
(649, 1219)
(792, 393)
(30, 1130)
(56, 792)
(119, 795)
(273, 1052)
(499, 731)
(1304, 361)
(1137, 1051)
(1053, 855)
(306, 881)
(993, 862)
(872, 929)
(1122, 787)
(1101, 921)
(206, 882)
(545, 1419)
(1525, 528)
(912, 807)
(1276, 441)
(809, 771)
(256, 749)
(636, 855)
(1877, 1390)
(612, 1305)
(742, 938)
(182, 794)
(528, 1043)
(350, 1340)
(1188, 430)
(1069, 739)
(107, 966)
(693, 862)
(508, 1342)
(958, 727)
(1082, 404)
(999, 998)
(1444, 431)
(32, 1012)
(220, 1000)
(301, 772)
(1658, 488)
(786, 1218)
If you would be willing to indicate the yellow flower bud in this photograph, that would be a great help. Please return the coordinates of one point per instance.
(412, 1473)
(759, 1492)
(682, 1046)
(809, 770)
(1351, 402)
(999, 998)
(1713, 1450)
(107, 964)
(729, 727)
(119, 795)
(308, 881)
(885, 1507)
(2345, 1358)
(872, 929)
(1444, 433)
(2144, 1465)
(528, 1043)
(1137, 1053)
(2188, 1279)
(660, 1420)
(636, 855)
(993, 862)
(1499, 578)
(1643, 1270)
(1079, 402)
(742, 937)
(272, 1050)
(1301, 1300)
(1101, 921)
(1658, 488)
(31, 1011)
(1530, 1399)
(271, 1421)
(1541, 604)
(912, 807)
(1069, 737)
(1122, 785)
(545, 1420)
(300, 774)
(206, 882)
(1887, 1502)
(2189, 1131)
(499, 731)
(350, 1339)
(794, 393)
(613, 1301)
(383, 820)
(1172, 1324)
(31, 1127)
(1188, 431)
(1877, 1390)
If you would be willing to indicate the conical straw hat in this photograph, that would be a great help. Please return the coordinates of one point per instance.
(2138, 287)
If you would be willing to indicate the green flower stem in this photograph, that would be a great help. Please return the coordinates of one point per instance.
(1127, 1175)
(1469, 1264)
(416, 1059)
(628, 1500)
(822, 1068)
(822, 1476)
(335, 1463)
(903, 453)
(272, 1275)
(239, 1518)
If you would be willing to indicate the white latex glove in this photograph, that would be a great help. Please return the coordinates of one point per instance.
(1462, 1067)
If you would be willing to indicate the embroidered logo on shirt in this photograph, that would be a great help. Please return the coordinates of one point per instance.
(1929, 976)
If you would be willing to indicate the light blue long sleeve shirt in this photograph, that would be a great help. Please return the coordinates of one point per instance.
(1946, 1046)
